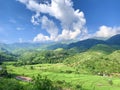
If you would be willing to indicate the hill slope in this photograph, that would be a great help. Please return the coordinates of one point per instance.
(99, 59)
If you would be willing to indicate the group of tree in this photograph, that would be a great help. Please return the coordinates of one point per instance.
(6, 55)
(39, 57)
(38, 83)
(102, 61)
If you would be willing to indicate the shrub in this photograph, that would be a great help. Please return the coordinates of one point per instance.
(68, 71)
(42, 83)
(60, 82)
(3, 71)
(10, 84)
(110, 82)
(31, 67)
(78, 87)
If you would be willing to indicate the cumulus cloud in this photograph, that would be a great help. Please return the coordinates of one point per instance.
(71, 21)
(106, 32)
(35, 19)
(41, 38)
(50, 27)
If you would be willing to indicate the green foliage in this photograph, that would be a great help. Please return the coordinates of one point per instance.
(102, 48)
(39, 83)
(62, 80)
(3, 71)
(56, 56)
(100, 59)
(6, 55)
(32, 67)
(42, 83)
(10, 84)
(110, 82)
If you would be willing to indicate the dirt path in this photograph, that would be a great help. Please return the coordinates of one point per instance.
(23, 78)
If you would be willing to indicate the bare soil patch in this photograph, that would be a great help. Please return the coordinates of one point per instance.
(23, 78)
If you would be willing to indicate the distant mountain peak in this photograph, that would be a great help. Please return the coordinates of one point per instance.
(114, 40)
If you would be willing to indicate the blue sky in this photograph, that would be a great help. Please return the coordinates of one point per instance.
(58, 20)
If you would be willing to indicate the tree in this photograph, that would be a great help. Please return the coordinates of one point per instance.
(43, 83)
(3, 71)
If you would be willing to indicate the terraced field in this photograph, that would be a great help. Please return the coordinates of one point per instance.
(67, 77)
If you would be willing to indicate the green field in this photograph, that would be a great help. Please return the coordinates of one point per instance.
(66, 76)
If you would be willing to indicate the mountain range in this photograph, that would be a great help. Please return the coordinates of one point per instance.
(114, 42)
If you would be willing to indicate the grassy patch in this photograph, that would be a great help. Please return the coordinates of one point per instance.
(66, 77)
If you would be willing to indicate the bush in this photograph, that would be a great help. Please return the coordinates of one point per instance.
(79, 87)
(3, 71)
(42, 83)
(68, 71)
(10, 84)
(31, 67)
(110, 82)
(60, 82)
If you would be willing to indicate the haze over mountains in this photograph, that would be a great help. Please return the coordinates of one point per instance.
(114, 41)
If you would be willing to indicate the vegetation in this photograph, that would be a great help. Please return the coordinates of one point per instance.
(38, 83)
(36, 57)
(85, 65)
(6, 55)
(10, 84)
(3, 71)
(63, 77)
(96, 61)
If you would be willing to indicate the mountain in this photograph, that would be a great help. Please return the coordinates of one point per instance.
(56, 46)
(3, 45)
(85, 44)
(5, 55)
(102, 48)
(25, 45)
(79, 45)
(114, 40)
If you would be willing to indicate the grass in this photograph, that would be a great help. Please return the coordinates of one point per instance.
(62, 73)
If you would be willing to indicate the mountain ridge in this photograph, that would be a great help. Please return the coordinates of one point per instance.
(84, 44)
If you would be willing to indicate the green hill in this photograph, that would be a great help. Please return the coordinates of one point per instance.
(6, 55)
(102, 48)
(100, 59)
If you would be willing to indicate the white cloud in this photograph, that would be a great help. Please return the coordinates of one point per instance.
(106, 32)
(72, 21)
(41, 38)
(50, 27)
(35, 19)
(23, 1)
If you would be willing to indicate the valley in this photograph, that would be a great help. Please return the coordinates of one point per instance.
(84, 65)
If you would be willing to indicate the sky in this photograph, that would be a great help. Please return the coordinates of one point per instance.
(58, 20)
